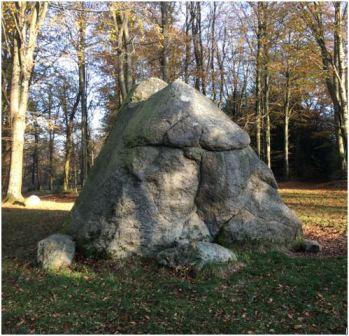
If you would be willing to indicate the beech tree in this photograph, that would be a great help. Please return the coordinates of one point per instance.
(260, 31)
(28, 18)
(165, 13)
(333, 62)
(69, 102)
(196, 33)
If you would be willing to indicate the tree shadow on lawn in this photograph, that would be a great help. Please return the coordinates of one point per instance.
(23, 228)
(274, 294)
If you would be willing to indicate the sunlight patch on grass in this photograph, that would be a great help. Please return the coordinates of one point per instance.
(323, 213)
(44, 205)
(322, 208)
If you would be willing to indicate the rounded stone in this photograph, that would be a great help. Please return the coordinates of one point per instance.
(32, 201)
(195, 255)
(55, 251)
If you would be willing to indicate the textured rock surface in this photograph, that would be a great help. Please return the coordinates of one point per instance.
(32, 201)
(175, 169)
(55, 251)
(195, 255)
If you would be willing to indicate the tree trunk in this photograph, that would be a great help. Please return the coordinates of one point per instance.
(195, 11)
(33, 172)
(258, 82)
(51, 148)
(286, 125)
(340, 57)
(341, 110)
(14, 193)
(213, 44)
(201, 50)
(83, 102)
(15, 83)
(128, 57)
(14, 106)
(68, 154)
(187, 43)
(24, 45)
(37, 184)
(119, 29)
(340, 149)
(220, 61)
(267, 116)
(121, 23)
(164, 30)
(332, 64)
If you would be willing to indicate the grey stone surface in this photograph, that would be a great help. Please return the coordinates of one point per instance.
(262, 216)
(195, 255)
(143, 90)
(175, 169)
(180, 116)
(32, 201)
(55, 251)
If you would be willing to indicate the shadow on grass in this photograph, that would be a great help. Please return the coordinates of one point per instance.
(23, 228)
(273, 294)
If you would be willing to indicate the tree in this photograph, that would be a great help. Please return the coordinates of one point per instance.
(28, 18)
(333, 64)
(260, 33)
(81, 47)
(7, 32)
(121, 19)
(187, 37)
(200, 76)
(165, 13)
(69, 105)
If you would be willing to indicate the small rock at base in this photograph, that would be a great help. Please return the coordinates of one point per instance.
(312, 246)
(32, 200)
(195, 255)
(56, 251)
(307, 245)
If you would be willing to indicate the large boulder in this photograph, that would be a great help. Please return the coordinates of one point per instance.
(173, 170)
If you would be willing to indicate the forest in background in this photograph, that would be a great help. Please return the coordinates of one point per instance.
(278, 69)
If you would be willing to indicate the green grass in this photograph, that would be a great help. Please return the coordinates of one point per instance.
(319, 208)
(273, 293)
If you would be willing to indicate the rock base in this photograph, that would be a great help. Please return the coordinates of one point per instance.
(195, 256)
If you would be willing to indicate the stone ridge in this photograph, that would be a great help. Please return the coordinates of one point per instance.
(180, 116)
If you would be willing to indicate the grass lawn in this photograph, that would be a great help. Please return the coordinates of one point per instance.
(273, 293)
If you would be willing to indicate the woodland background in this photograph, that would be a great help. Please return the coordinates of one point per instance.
(278, 69)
